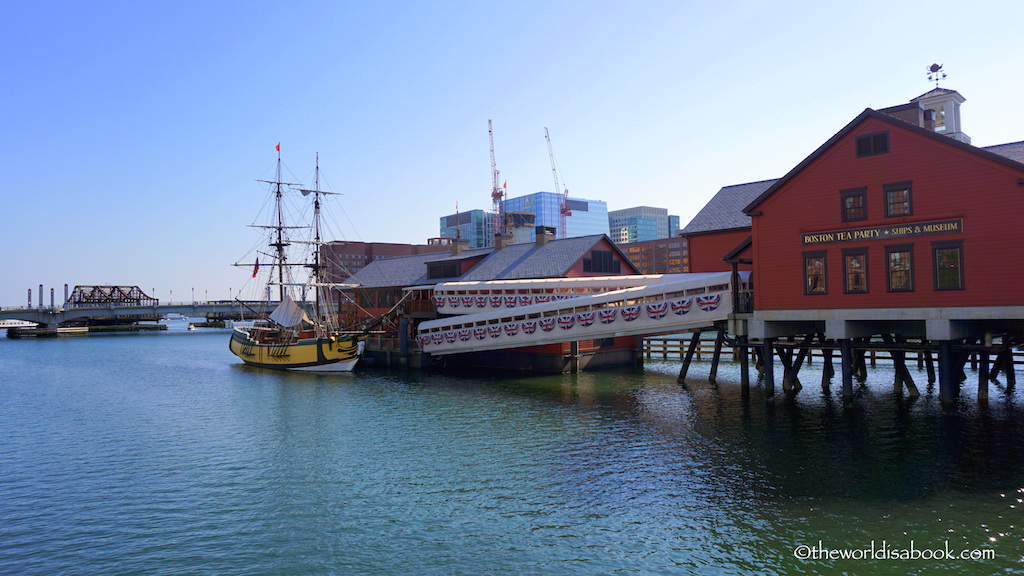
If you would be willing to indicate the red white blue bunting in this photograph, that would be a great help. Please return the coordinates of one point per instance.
(681, 307)
(657, 311)
(654, 311)
(709, 302)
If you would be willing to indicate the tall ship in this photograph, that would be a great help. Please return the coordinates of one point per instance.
(296, 334)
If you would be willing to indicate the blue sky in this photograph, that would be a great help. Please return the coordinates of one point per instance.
(133, 132)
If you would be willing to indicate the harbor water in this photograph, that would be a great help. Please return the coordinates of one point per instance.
(160, 453)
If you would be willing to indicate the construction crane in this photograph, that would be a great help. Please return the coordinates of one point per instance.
(563, 209)
(496, 192)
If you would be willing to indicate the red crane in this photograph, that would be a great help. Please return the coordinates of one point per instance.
(563, 209)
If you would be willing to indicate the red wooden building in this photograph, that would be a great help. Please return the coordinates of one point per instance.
(898, 229)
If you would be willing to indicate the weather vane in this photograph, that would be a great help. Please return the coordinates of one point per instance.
(935, 74)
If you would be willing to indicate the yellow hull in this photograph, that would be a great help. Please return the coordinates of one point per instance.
(313, 354)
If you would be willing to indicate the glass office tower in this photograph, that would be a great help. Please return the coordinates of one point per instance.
(588, 216)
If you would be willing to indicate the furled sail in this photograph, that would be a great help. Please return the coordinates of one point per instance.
(289, 314)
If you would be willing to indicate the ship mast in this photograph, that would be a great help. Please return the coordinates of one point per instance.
(280, 244)
(317, 279)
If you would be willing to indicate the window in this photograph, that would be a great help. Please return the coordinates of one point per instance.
(949, 265)
(939, 116)
(872, 144)
(855, 270)
(442, 269)
(900, 267)
(897, 199)
(854, 204)
(814, 273)
(601, 261)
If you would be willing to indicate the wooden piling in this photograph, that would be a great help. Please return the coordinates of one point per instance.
(719, 338)
(827, 369)
(846, 354)
(744, 366)
(948, 382)
(805, 350)
(929, 362)
(786, 358)
(694, 341)
(1011, 375)
(983, 377)
(768, 358)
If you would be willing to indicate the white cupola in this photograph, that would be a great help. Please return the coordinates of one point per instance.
(942, 112)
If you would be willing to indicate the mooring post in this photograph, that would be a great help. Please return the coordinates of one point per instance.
(768, 359)
(983, 377)
(694, 341)
(846, 357)
(948, 382)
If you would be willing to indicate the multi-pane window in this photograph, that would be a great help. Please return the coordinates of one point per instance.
(814, 273)
(601, 261)
(855, 270)
(897, 199)
(854, 204)
(442, 269)
(949, 265)
(900, 267)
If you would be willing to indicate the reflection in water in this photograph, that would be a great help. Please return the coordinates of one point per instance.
(158, 454)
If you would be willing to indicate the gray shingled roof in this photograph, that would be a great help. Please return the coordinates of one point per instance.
(514, 262)
(1013, 150)
(407, 270)
(528, 260)
(725, 210)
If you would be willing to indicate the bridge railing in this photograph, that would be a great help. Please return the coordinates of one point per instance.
(655, 309)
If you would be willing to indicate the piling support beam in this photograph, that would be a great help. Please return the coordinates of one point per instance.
(929, 364)
(828, 371)
(846, 355)
(1011, 376)
(983, 377)
(786, 358)
(719, 338)
(802, 355)
(948, 382)
(694, 342)
(768, 360)
(744, 366)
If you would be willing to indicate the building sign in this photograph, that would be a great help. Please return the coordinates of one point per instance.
(885, 232)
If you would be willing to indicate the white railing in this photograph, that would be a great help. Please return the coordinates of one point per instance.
(660, 308)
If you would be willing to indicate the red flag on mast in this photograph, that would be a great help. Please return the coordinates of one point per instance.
(278, 147)
(256, 269)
